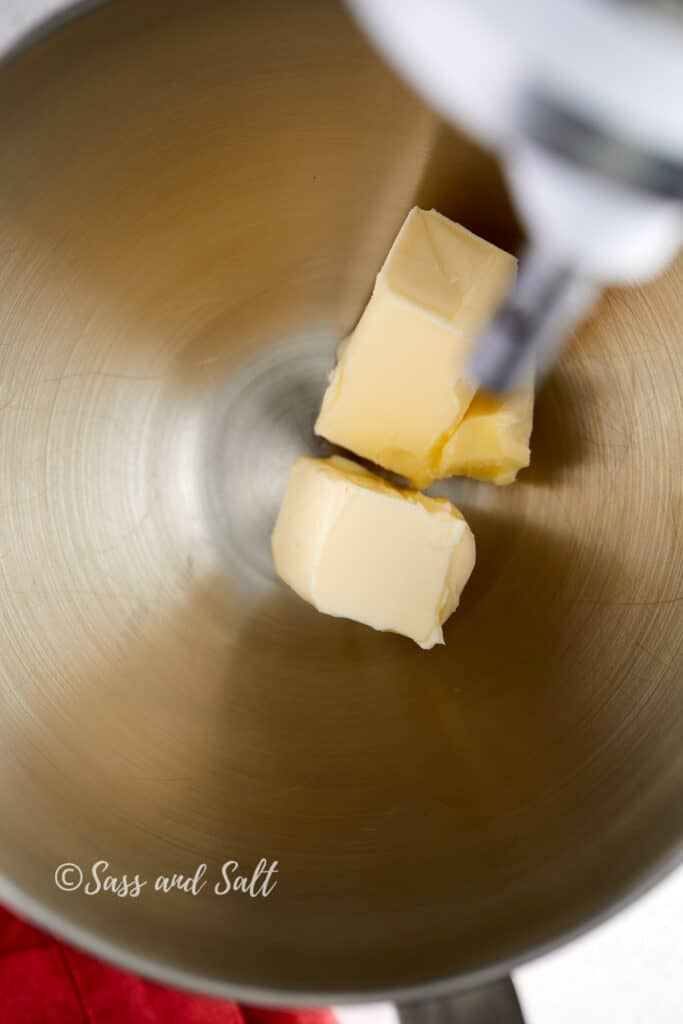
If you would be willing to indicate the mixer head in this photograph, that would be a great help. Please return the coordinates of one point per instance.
(582, 101)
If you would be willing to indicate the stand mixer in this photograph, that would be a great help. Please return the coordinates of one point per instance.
(582, 100)
(194, 202)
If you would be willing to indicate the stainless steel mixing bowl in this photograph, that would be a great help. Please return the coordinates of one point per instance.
(194, 200)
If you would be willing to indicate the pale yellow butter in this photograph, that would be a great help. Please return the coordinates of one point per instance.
(492, 440)
(354, 546)
(401, 387)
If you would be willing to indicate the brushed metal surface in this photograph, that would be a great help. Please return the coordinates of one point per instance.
(495, 1004)
(193, 202)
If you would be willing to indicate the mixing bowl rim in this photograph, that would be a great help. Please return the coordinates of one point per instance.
(90, 942)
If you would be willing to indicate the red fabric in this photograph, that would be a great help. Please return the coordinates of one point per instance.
(43, 981)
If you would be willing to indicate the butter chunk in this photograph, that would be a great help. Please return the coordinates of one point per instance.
(357, 547)
(401, 386)
(492, 440)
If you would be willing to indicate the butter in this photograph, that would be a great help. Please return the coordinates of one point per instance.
(401, 386)
(492, 440)
(357, 547)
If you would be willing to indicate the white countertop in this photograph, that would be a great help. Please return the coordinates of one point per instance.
(628, 971)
